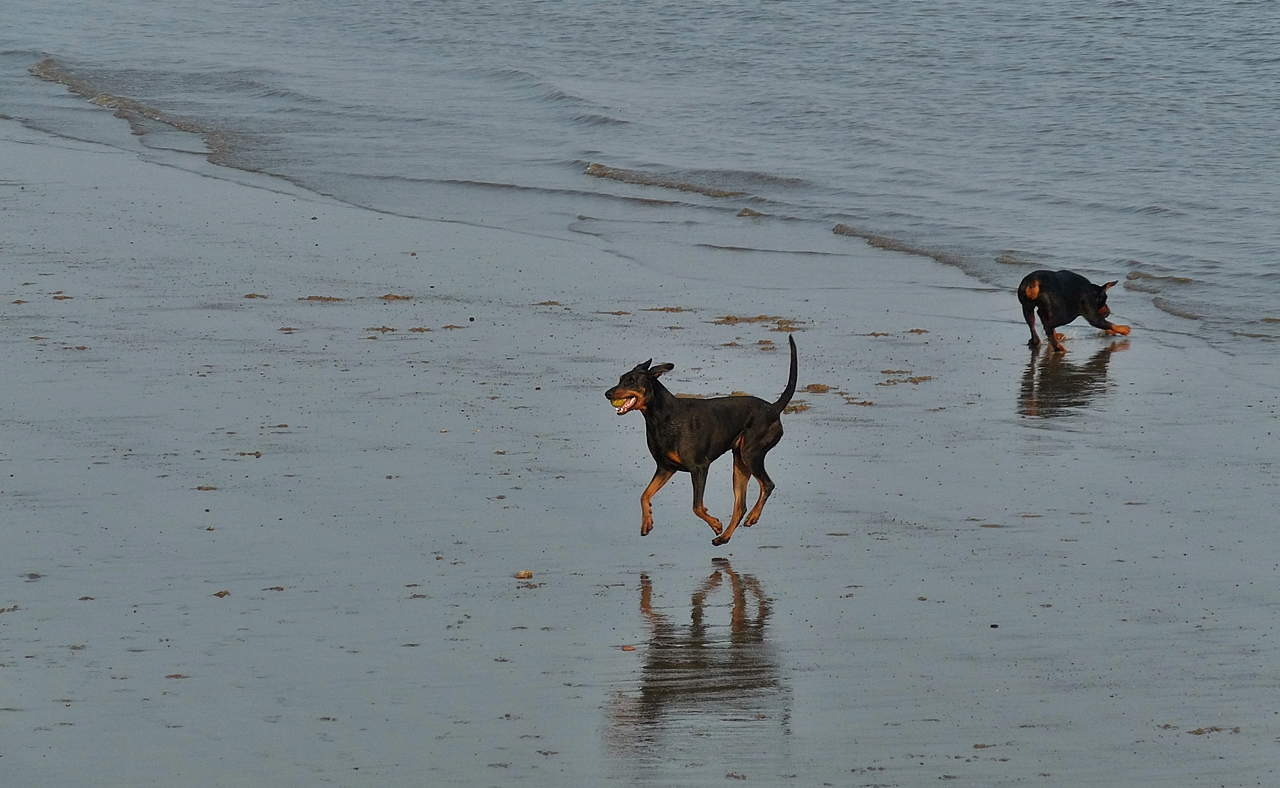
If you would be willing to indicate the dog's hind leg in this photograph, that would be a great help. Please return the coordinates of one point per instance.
(766, 489)
(1029, 314)
(741, 476)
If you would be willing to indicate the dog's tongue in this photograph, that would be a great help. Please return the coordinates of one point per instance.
(623, 404)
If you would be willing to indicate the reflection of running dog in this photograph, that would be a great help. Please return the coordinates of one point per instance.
(723, 683)
(1060, 298)
(689, 434)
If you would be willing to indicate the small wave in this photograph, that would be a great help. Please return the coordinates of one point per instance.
(133, 112)
(645, 179)
(514, 187)
(1147, 282)
(593, 119)
(508, 74)
(1156, 210)
(558, 96)
(1014, 258)
(758, 250)
(1173, 309)
(267, 92)
(896, 245)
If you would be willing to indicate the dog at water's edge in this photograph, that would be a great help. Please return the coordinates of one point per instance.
(1061, 297)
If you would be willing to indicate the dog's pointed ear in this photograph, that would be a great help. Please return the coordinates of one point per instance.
(661, 369)
(642, 366)
(1109, 285)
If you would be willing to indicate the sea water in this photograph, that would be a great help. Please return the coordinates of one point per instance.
(1135, 141)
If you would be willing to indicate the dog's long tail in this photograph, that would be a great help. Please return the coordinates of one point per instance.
(791, 381)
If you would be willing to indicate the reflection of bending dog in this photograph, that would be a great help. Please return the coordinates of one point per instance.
(1053, 386)
(689, 434)
(1062, 297)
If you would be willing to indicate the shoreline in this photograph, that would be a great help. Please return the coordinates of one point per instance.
(1105, 511)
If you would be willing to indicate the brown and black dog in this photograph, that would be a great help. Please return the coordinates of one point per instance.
(689, 434)
(1061, 297)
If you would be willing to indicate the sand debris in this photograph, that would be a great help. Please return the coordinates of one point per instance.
(915, 381)
(733, 320)
(780, 323)
(394, 297)
(321, 299)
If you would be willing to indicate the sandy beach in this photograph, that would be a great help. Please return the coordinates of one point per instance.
(269, 466)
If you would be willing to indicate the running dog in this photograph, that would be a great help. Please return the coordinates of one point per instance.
(689, 434)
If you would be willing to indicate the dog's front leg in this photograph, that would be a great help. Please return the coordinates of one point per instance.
(699, 475)
(660, 477)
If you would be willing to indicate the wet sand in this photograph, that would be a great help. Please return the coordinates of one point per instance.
(270, 464)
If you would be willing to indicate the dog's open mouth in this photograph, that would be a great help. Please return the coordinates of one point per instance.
(623, 404)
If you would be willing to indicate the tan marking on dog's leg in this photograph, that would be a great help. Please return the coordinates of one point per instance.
(715, 524)
(756, 510)
(741, 475)
(660, 477)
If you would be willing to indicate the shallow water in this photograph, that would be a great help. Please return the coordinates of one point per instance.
(1121, 140)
